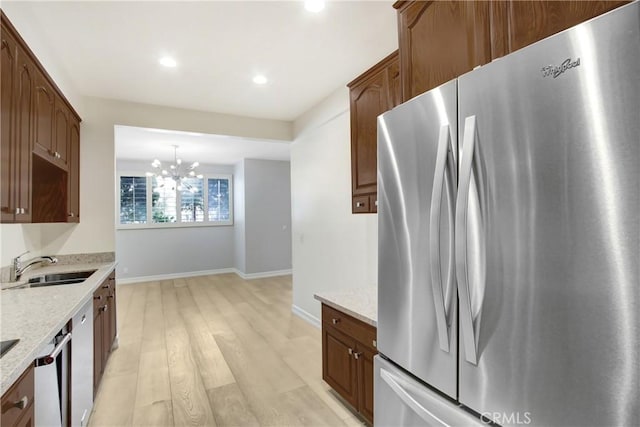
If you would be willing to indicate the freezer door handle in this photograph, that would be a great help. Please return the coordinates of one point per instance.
(462, 270)
(398, 386)
(441, 179)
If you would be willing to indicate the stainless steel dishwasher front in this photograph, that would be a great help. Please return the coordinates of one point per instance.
(82, 365)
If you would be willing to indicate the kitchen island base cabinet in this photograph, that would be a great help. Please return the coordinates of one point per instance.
(17, 402)
(104, 327)
(348, 347)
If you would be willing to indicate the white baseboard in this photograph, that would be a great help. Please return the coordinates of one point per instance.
(249, 276)
(306, 316)
(171, 276)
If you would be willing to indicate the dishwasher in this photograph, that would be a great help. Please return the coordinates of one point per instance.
(82, 365)
(52, 374)
(64, 374)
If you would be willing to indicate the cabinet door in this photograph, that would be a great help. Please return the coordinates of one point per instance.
(111, 301)
(73, 193)
(339, 369)
(516, 24)
(365, 381)
(25, 98)
(439, 41)
(7, 116)
(44, 143)
(27, 418)
(368, 101)
(61, 133)
(371, 94)
(97, 343)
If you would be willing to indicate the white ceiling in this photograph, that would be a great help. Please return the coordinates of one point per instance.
(134, 143)
(111, 50)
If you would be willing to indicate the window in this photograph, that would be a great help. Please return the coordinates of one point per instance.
(161, 202)
(133, 200)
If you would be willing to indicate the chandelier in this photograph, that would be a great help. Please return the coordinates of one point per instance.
(177, 172)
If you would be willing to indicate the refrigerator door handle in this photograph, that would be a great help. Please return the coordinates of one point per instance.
(396, 385)
(462, 206)
(442, 308)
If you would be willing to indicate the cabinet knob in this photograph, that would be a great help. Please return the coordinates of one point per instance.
(99, 297)
(359, 204)
(56, 155)
(22, 403)
(18, 211)
(104, 308)
(376, 203)
(72, 214)
(357, 355)
(350, 351)
(105, 287)
(335, 321)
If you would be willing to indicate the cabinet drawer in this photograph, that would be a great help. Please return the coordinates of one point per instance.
(360, 204)
(20, 391)
(358, 330)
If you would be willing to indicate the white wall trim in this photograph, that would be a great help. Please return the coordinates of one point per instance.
(306, 316)
(249, 276)
(171, 276)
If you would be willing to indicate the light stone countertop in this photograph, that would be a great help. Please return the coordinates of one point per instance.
(361, 303)
(35, 315)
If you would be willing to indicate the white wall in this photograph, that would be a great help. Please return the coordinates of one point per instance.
(267, 188)
(332, 248)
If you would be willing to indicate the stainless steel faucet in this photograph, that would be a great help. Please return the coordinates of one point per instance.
(17, 269)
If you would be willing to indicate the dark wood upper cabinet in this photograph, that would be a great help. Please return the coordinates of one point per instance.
(40, 139)
(371, 94)
(440, 40)
(61, 132)
(18, 83)
(73, 199)
(7, 150)
(516, 24)
(43, 141)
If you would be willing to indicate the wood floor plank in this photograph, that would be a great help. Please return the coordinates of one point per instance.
(159, 413)
(153, 379)
(230, 407)
(115, 401)
(211, 363)
(188, 395)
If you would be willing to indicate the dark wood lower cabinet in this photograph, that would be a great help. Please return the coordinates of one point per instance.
(17, 402)
(347, 358)
(104, 327)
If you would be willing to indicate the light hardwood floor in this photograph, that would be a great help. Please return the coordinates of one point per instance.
(216, 351)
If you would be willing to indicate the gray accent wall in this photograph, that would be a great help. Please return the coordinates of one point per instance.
(238, 214)
(267, 185)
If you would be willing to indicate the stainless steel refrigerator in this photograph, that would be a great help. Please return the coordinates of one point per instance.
(509, 239)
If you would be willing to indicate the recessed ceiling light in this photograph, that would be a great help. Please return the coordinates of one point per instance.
(314, 6)
(260, 79)
(168, 61)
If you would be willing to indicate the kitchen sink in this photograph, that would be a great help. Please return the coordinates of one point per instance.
(57, 279)
(62, 277)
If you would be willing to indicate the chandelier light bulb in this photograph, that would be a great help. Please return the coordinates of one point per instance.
(179, 161)
(195, 165)
(200, 176)
(164, 172)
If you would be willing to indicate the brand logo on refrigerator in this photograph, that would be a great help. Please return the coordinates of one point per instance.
(557, 70)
